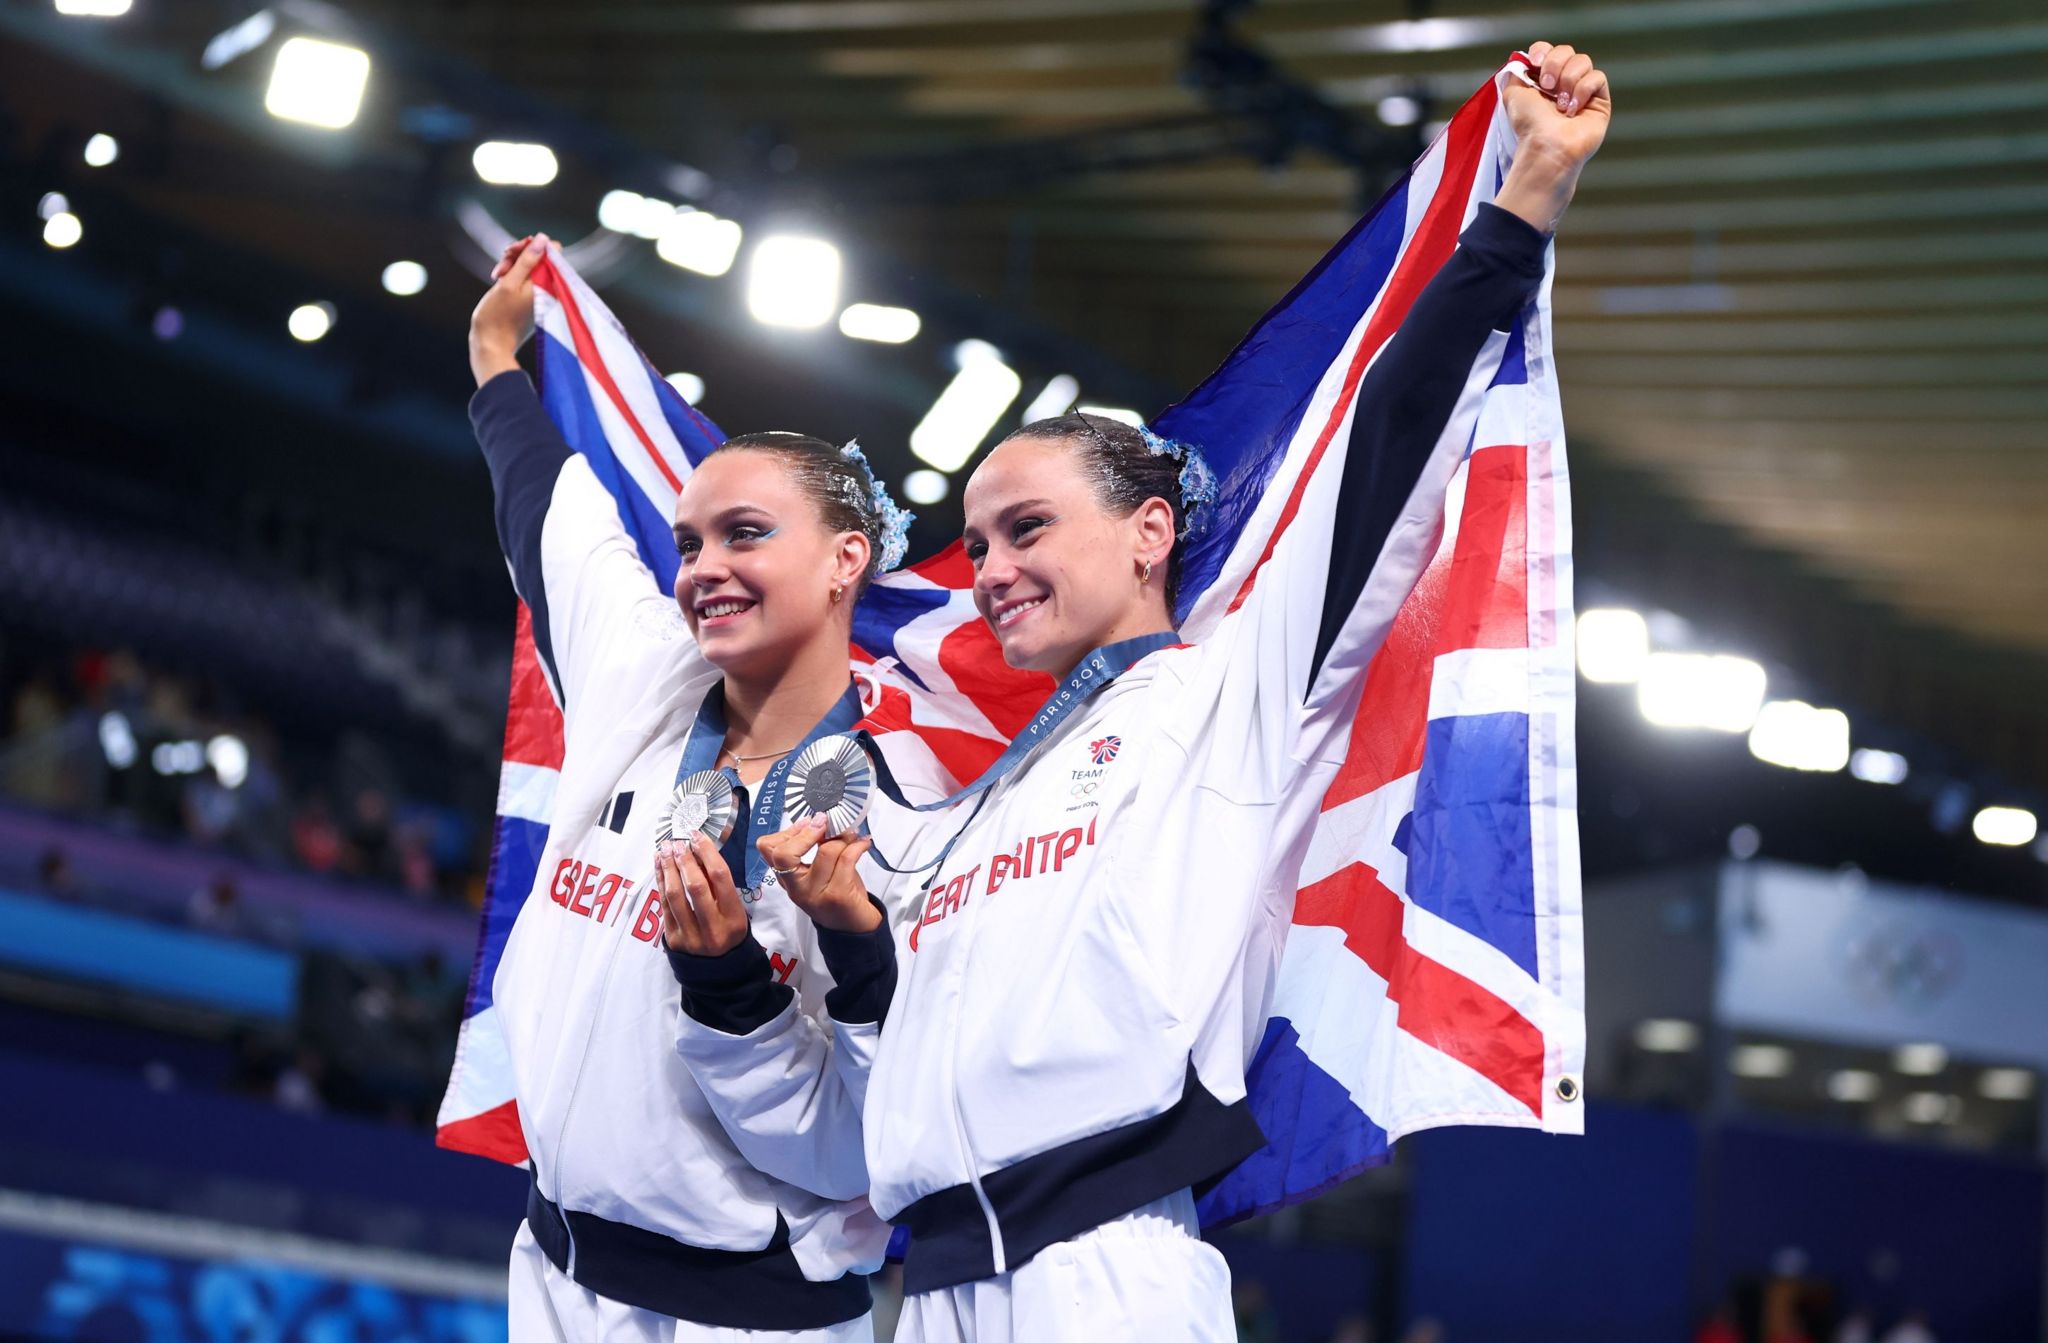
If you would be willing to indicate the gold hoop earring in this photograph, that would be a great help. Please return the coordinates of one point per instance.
(838, 591)
(1146, 577)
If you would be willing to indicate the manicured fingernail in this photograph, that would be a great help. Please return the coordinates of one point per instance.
(1549, 80)
(1571, 105)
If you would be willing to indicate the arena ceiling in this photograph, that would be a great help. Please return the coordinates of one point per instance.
(1802, 301)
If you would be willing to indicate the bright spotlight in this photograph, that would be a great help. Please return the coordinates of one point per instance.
(310, 321)
(62, 229)
(2011, 826)
(1613, 646)
(1877, 766)
(688, 386)
(1701, 690)
(1123, 414)
(405, 278)
(101, 150)
(1760, 1061)
(52, 203)
(1667, 1035)
(1796, 735)
(872, 321)
(1057, 398)
(318, 83)
(1920, 1059)
(514, 163)
(117, 740)
(964, 413)
(230, 760)
(926, 486)
(698, 240)
(793, 282)
(94, 9)
(631, 213)
(1853, 1085)
(1399, 110)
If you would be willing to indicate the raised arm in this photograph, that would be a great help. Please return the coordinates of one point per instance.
(1419, 383)
(572, 561)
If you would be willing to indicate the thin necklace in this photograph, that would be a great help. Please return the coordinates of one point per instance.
(739, 759)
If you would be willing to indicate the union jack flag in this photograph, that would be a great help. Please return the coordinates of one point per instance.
(1433, 971)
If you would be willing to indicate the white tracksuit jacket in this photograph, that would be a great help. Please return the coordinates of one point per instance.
(639, 1194)
(1086, 978)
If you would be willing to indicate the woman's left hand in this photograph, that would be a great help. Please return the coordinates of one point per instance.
(703, 914)
(829, 887)
(1568, 111)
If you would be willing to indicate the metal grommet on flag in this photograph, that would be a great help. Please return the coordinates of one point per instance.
(835, 776)
(703, 803)
(1567, 1088)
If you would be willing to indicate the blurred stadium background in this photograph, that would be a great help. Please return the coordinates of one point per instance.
(254, 627)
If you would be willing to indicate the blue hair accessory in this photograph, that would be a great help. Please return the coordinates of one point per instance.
(892, 523)
(1197, 480)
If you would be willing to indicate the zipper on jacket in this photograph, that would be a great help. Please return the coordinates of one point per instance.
(988, 1211)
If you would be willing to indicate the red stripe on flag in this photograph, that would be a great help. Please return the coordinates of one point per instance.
(1487, 598)
(495, 1134)
(1474, 597)
(962, 754)
(546, 277)
(1435, 238)
(533, 724)
(1434, 1003)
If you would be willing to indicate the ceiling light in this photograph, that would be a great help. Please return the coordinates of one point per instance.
(872, 321)
(1399, 110)
(1795, 735)
(2005, 1084)
(688, 386)
(1701, 690)
(793, 282)
(1919, 1060)
(52, 203)
(1613, 646)
(1853, 1085)
(405, 278)
(632, 213)
(514, 163)
(101, 150)
(1877, 766)
(62, 229)
(239, 40)
(1931, 1107)
(1667, 1035)
(310, 321)
(1998, 825)
(317, 83)
(94, 9)
(969, 407)
(926, 486)
(229, 757)
(1057, 398)
(1760, 1061)
(700, 241)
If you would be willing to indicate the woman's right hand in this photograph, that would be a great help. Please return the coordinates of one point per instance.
(504, 317)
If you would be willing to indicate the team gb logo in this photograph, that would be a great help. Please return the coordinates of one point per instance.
(1103, 749)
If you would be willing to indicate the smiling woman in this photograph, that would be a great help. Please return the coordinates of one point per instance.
(718, 693)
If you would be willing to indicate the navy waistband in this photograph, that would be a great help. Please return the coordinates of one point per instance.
(1059, 1194)
(729, 1289)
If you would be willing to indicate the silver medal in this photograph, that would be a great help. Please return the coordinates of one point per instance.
(834, 776)
(702, 803)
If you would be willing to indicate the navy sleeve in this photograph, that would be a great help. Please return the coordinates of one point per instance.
(1412, 389)
(735, 992)
(525, 453)
(863, 967)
